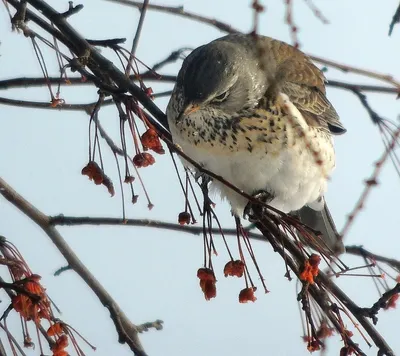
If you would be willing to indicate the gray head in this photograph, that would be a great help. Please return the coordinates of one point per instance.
(223, 77)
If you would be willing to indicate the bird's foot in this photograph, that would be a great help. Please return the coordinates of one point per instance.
(254, 210)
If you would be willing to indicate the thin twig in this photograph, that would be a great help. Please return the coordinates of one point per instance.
(62, 220)
(27, 82)
(65, 106)
(347, 68)
(179, 11)
(229, 29)
(83, 49)
(135, 42)
(370, 183)
(31, 82)
(361, 251)
(375, 117)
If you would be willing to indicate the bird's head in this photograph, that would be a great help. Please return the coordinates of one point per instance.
(220, 78)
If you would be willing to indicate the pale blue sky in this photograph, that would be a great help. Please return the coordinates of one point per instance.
(152, 273)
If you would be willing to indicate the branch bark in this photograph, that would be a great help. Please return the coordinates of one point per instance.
(127, 331)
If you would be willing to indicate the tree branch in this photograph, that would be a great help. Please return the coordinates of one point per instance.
(62, 220)
(361, 251)
(90, 54)
(179, 11)
(229, 29)
(282, 245)
(127, 331)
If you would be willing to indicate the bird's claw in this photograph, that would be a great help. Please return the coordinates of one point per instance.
(254, 210)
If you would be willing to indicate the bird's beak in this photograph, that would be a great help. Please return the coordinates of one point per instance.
(189, 109)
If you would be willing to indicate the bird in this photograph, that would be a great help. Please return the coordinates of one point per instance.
(254, 110)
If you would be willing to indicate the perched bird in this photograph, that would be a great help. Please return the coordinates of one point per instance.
(254, 111)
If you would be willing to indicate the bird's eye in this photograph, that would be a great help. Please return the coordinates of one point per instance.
(220, 98)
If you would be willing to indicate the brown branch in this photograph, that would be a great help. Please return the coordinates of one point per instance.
(30, 82)
(65, 106)
(179, 11)
(227, 28)
(362, 87)
(26, 82)
(47, 105)
(135, 42)
(127, 331)
(347, 69)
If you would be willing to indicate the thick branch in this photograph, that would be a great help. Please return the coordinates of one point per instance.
(126, 330)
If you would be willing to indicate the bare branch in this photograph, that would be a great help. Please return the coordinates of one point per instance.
(227, 28)
(62, 220)
(179, 11)
(126, 330)
(350, 69)
(370, 183)
(269, 230)
(361, 251)
(135, 42)
(380, 304)
(83, 49)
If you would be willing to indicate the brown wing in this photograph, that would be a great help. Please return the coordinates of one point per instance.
(304, 84)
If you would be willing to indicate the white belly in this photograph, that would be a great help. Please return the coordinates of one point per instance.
(294, 179)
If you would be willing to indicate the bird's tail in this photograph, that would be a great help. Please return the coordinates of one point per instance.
(321, 220)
